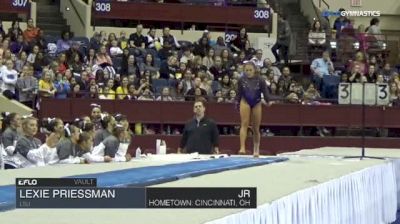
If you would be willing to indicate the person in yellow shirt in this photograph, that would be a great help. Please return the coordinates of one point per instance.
(108, 93)
(46, 86)
(122, 90)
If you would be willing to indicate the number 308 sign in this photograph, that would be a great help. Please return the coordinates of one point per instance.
(261, 14)
(374, 94)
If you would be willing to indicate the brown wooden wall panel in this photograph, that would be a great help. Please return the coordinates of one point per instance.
(179, 13)
(223, 114)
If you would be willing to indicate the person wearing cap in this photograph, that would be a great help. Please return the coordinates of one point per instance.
(250, 89)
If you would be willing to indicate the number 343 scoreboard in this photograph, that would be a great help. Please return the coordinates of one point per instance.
(85, 193)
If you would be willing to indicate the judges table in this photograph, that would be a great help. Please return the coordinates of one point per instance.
(305, 189)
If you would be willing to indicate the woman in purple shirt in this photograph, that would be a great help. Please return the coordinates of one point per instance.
(250, 87)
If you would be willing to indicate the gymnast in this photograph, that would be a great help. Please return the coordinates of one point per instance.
(250, 88)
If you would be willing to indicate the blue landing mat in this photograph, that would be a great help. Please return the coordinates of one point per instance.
(145, 176)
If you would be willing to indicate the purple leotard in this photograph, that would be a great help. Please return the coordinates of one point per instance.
(250, 89)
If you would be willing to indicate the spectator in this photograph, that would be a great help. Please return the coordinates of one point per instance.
(76, 91)
(202, 47)
(375, 31)
(267, 65)
(27, 87)
(62, 87)
(111, 38)
(46, 86)
(284, 81)
(197, 65)
(73, 51)
(76, 64)
(122, 40)
(371, 74)
(191, 94)
(387, 71)
(93, 92)
(32, 55)
(4, 47)
(64, 43)
(103, 37)
(344, 78)
(355, 75)
(91, 58)
(14, 30)
(360, 60)
(168, 68)
(218, 96)
(115, 50)
(129, 66)
(146, 94)
(248, 50)
(317, 37)
(151, 38)
(380, 79)
(149, 64)
(62, 63)
(168, 38)
(122, 90)
(179, 91)
(18, 45)
(231, 96)
(321, 67)
(393, 92)
(339, 23)
(227, 61)
(21, 61)
(40, 62)
(103, 61)
(95, 42)
(225, 84)
(311, 94)
(187, 81)
(257, 59)
(206, 84)
(219, 46)
(31, 31)
(283, 41)
(217, 70)
(9, 78)
(187, 56)
(239, 42)
(40, 41)
(165, 95)
(109, 92)
(137, 40)
(200, 134)
(208, 60)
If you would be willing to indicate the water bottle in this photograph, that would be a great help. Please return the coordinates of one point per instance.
(138, 153)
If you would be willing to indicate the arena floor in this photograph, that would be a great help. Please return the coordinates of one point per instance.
(303, 170)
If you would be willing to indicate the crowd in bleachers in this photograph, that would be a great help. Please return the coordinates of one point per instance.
(157, 66)
(137, 66)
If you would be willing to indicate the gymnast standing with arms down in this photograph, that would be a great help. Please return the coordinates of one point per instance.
(250, 88)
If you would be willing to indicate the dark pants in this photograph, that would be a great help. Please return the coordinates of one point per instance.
(283, 49)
